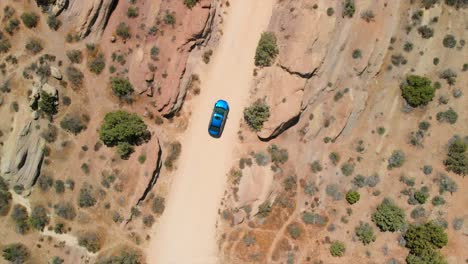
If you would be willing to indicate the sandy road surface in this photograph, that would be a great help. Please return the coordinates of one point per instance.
(187, 232)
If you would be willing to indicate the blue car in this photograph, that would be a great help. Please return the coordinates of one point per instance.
(218, 118)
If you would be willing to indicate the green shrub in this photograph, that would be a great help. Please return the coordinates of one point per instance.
(426, 32)
(39, 218)
(347, 168)
(190, 3)
(278, 155)
(75, 76)
(121, 87)
(449, 41)
(126, 256)
(396, 160)
(121, 126)
(264, 209)
(408, 46)
(19, 214)
(45, 182)
(417, 90)
(34, 46)
(16, 253)
(90, 241)
(457, 157)
(352, 197)
(123, 31)
(53, 22)
(48, 104)
(175, 148)
(142, 158)
(124, 149)
(72, 124)
(314, 219)
(5, 198)
(159, 204)
(334, 158)
(5, 45)
(330, 11)
(169, 18)
(86, 198)
(389, 217)
(290, 183)
(423, 242)
(316, 166)
(256, 114)
(349, 8)
(438, 200)
(337, 249)
(294, 230)
(57, 260)
(357, 54)
(132, 12)
(65, 210)
(96, 65)
(12, 26)
(30, 19)
(365, 233)
(449, 116)
(421, 196)
(267, 50)
(154, 52)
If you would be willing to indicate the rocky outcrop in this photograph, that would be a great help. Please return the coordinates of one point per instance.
(22, 157)
(89, 17)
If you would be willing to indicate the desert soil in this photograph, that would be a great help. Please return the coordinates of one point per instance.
(187, 229)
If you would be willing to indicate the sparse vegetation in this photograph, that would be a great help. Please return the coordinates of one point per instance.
(347, 168)
(75, 76)
(294, 230)
(389, 217)
(75, 56)
(39, 218)
(396, 160)
(5, 198)
(72, 123)
(449, 75)
(86, 197)
(65, 210)
(12, 26)
(97, 64)
(449, 116)
(123, 31)
(175, 148)
(30, 19)
(334, 158)
(126, 256)
(256, 114)
(53, 22)
(313, 219)
(19, 214)
(34, 46)
(169, 18)
(264, 209)
(426, 32)
(190, 3)
(349, 8)
(278, 155)
(132, 12)
(368, 15)
(90, 241)
(158, 205)
(267, 50)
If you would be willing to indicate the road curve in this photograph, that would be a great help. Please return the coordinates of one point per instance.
(187, 232)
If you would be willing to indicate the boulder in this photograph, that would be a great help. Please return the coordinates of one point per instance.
(55, 72)
(35, 115)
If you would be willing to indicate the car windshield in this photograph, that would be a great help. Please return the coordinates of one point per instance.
(219, 110)
(216, 129)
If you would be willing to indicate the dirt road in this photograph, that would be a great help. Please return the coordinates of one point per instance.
(187, 231)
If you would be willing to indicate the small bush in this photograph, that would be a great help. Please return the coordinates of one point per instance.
(334, 192)
(5, 198)
(396, 160)
(365, 233)
(256, 114)
(75, 76)
(457, 157)
(294, 230)
(39, 218)
(408, 46)
(53, 22)
(334, 158)
(86, 198)
(267, 50)
(30, 19)
(75, 56)
(72, 124)
(45, 182)
(347, 169)
(154, 52)
(123, 31)
(34, 46)
(96, 65)
(349, 8)
(12, 26)
(175, 148)
(330, 11)
(337, 249)
(207, 56)
(389, 217)
(449, 41)
(446, 184)
(16, 253)
(357, 54)
(316, 166)
(417, 90)
(5, 45)
(426, 32)
(169, 18)
(438, 200)
(421, 196)
(159, 204)
(449, 75)
(368, 15)
(314, 219)
(48, 104)
(352, 197)
(264, 209)
(126, 256)
(190, 3)
(124, 149)
(20, 215)
(278, 156)
(90, 241)
(65, 210)
(121, 87)
(132, 12)
(449, 116)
